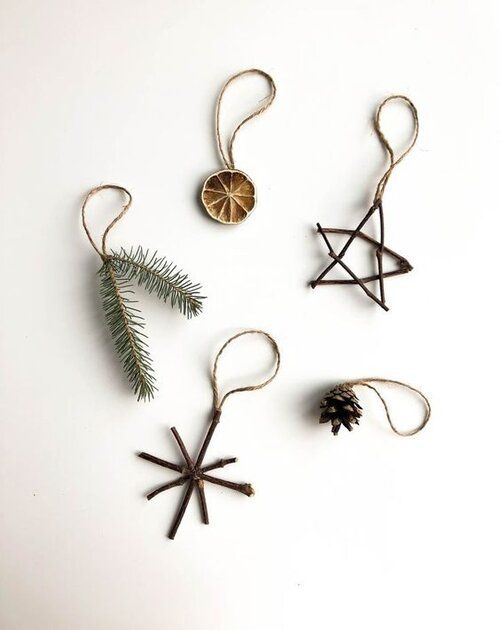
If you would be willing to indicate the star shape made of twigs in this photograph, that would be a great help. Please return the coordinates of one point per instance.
(380, 249)
(195, 474)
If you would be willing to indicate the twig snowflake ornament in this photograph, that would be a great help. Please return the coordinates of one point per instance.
(379, 247)
(229, 194)
(193, 471)
(118, 271)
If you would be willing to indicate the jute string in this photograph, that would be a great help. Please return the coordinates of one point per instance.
(218, 401)
(103, 252)
(379, 193)
(366, 383)
(228, 158)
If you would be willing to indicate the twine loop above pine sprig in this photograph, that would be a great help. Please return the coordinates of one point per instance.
(368, 382)
(218, 400)
(103, 252)
(227, 157)
(393, 161)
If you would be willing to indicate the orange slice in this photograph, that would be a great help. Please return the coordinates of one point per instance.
(228, 196)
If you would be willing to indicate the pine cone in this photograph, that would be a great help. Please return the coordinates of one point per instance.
(341, 407)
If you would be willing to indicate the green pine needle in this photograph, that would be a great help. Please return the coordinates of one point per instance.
(160, 277)
(127, 326)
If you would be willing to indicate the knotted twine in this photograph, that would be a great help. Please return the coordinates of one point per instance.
(103, 252)
(393, 161)
(366, 382)
(218, 401)
(228, 158)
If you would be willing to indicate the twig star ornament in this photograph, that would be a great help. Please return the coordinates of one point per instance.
(341, 407)
(124, 319)
(194, 472)
(379, 247)
(229, 194)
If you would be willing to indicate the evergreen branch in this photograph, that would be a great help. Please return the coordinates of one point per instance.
(126, 326)
(160, 277)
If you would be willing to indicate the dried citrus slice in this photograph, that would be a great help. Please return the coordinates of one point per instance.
(228, 196)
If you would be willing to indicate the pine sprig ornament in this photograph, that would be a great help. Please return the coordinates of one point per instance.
(124, 319)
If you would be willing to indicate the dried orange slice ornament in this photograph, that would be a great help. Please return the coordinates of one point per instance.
(229, 195)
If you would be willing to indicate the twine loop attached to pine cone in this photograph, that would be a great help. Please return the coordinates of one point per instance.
(341, 407)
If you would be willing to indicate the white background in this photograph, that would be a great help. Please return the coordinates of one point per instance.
(366, 530)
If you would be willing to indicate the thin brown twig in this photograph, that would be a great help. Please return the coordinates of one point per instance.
(182, 448)
(220, 464)
(203, 500)
(167, 486)
(244, 488)
(182, 510)
(162, 462)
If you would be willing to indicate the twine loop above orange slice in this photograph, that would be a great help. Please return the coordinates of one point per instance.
(229, 194)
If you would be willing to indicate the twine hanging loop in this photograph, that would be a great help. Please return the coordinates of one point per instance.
(103, 252)
(393, 161)
(227, 157)
(218, 401)
(368, 382)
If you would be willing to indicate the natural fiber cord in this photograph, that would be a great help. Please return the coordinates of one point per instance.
(366, 382)
(228, 158)
(103, 251)
(379, 193)
(218, 402)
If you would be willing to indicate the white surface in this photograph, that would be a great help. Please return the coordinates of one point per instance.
(365, 531)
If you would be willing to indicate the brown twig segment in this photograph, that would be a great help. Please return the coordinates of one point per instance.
(182, 448)
(220, 464)
(162, 462)
(380, 248)
(244, 488)
(208, 437)
(203, 501)
(173, 484)
(182, 509)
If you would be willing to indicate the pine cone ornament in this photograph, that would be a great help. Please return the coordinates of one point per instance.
(341, 407)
